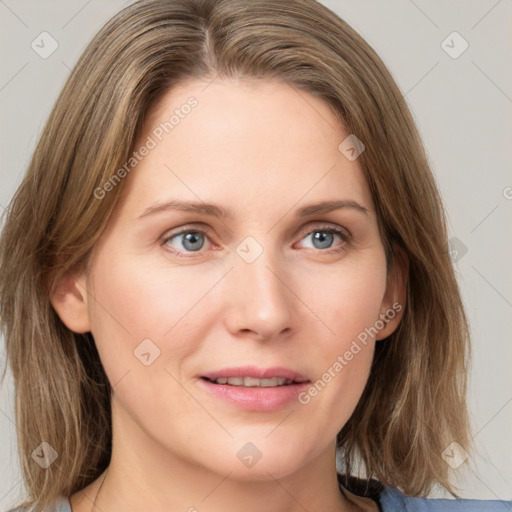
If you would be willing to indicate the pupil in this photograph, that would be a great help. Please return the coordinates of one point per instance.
(322, 236)
(190, 240)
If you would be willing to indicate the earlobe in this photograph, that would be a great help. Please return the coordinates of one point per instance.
(69, 299)
(393, 303)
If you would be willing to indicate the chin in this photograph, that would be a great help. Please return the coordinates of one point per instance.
(261, 472)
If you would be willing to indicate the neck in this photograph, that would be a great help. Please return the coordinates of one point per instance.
(142, 475)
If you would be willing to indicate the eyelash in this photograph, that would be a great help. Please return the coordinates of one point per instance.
(345, 237)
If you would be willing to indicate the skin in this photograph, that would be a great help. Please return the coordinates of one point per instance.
(263, 150)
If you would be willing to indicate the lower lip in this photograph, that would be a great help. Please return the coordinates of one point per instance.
(256, 398)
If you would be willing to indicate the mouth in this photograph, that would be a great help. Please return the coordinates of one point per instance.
(255, 389)
(252, 382)
(253, 376)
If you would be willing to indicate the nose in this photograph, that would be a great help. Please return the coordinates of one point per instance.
(260, 301)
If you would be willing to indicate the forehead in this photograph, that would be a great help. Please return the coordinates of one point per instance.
(239, 141)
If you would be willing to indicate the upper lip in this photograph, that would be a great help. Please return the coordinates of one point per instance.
(256, 373)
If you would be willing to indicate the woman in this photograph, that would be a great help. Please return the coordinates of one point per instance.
(318, 311)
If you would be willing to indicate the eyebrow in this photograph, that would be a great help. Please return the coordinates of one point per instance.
(214, 210)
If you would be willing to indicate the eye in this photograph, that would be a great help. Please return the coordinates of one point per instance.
(322, 238)
(187, 240)
(193, 240)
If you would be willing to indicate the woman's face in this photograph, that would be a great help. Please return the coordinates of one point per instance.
(275, 287)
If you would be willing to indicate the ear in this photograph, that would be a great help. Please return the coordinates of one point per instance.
(69, 299)
(393, 302)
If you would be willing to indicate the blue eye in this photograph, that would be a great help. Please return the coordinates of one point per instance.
(192, 240)
(323, 238)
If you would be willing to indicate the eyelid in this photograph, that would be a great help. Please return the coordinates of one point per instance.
(199, 226)
(342, 232)
(322, 225)
(310, 228)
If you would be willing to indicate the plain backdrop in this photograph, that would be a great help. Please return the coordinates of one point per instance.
(461, 99)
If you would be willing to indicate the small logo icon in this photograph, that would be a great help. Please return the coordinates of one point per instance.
(44, 45)
(351, 147)
(146, 352)
(457, 249)
(249, 249)
(44, 455)
(454, 455)
(249, 455)
(454, 45)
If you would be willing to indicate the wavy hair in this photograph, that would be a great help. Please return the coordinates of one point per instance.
(414, 403)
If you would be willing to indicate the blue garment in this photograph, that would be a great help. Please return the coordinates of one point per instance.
(61, 506)
(392, 500)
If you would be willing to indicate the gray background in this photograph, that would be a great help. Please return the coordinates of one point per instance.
(463, 109)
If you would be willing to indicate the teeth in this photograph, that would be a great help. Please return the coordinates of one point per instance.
(252, 382)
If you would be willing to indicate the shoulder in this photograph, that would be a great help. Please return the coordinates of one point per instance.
(392, 500)
(62, 505)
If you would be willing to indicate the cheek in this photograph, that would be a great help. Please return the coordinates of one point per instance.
(349, 304)
(132, 302)
(349, 298)
(145, 325)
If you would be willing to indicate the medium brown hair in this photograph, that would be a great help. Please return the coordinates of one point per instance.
(414, 404)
